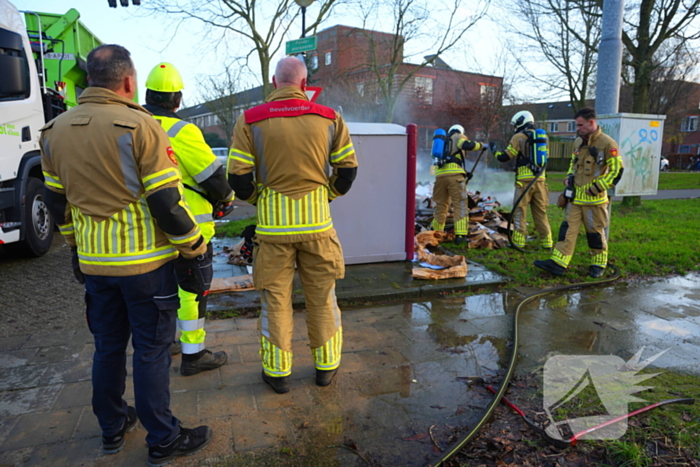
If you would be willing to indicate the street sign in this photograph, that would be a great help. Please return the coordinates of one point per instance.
(298, 46)
(312, 92)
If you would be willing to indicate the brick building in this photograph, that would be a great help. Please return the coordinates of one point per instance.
(349, 64)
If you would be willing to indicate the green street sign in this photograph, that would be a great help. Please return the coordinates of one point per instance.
(298, 46)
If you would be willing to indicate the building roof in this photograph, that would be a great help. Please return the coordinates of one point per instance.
(244, 97)
(560, 110)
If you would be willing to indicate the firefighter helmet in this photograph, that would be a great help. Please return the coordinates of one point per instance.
(456, 128)
(521, 119)
(164, 77)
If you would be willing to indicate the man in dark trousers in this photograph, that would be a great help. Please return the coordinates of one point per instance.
(114, 188)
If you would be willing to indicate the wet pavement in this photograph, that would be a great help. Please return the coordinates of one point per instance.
(397, 382)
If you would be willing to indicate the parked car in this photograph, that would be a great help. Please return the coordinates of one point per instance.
(663, 164)
(221, 154)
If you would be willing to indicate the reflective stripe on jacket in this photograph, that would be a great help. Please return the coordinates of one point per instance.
(597, 172)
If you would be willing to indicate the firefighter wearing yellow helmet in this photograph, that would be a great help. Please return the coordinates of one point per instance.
(537, 197)
(450, 184)
(204, 179)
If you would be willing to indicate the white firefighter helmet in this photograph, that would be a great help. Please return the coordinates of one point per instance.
(521, 119)
(457, 128)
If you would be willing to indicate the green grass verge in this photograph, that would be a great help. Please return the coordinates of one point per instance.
(234, 228)
(667, 181)
(658, 238)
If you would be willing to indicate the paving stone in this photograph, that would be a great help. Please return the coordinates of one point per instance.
(21, 377)
(74, 453)
(393, 380)
(231, 400)
(241, 373)
(49, 339)
(246, 324)
(42, 428)
(205, 380)
(386, 357)
(74, 395)
(16, 458)
(88, 426)
(220, 447)
(135, 452)
(15, 358)
(249, 352)
(231, 338)
(24, 401)
(61, 353)
(184, 406)
(268, 428)
(6, 426)
(298, 396)
(665, 312)
(12, 342)
(220, 325)
(67, 372)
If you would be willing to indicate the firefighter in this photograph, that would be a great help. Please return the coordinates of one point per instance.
(595, 167)
(450, 184)
(113, 186)
(537, 196)
(204, 179)
(277, 161)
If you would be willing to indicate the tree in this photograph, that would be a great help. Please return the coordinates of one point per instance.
(440, 26)
(220, 94)
(263, 24)
(546, 27)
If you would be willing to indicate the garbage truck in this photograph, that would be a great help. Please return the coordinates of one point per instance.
(43, 61)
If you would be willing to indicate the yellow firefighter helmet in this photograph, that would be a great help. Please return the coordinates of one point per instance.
(164, 77)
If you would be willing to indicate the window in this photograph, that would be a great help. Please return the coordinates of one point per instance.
(685, 149)
(328, 58)
(689, 124)
(314, 62)
(553, 127)
(488, 92)
(571, 127)
(361, 88)
(424, 89)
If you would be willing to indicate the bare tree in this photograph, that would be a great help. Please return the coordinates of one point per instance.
(264, 24)
(220, 94)
(544, 28)
(440, 25)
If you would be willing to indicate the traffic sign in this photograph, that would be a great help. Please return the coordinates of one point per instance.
(298, 46)
(312, 92)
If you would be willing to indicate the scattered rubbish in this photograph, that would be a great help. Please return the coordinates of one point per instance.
(232, 284)
(453, 266)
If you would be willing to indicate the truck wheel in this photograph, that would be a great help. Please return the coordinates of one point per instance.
(38, 223)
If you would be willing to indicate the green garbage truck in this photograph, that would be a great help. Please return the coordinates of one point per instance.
(43, 62)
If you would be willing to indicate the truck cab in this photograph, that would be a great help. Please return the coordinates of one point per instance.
(43, 59)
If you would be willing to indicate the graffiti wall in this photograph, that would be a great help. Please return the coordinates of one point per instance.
(640, 138)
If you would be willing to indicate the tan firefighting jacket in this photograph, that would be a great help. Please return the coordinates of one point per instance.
(597, 172)
(108, 155)
(288, 143)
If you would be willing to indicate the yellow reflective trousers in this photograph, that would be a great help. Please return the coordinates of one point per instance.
(595, 219)
(537, 197)
(451, 188)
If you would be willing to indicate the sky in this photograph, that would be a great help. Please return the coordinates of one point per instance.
(152, 39)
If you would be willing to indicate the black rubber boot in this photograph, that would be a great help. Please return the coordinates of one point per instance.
(189, 441)
(204, 361)
(280, 384)
(596, 272)
(461, 239)
(324, 377)
(550, 266)
(114, 444)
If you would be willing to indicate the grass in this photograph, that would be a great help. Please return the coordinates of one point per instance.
(656, 239)
(667, 181)
(234, 228)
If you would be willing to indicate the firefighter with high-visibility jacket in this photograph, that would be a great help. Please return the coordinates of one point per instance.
(204, 179)
(278, 162)
(450, 184)
(537, 197)
(595, 167)
(113, 186)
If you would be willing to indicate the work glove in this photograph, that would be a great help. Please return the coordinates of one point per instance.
(194, 275)
(562, 201)
(76, 265)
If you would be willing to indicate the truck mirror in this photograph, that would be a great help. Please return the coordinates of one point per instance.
(14, 80)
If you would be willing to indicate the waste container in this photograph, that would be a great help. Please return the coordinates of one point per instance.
(375, 219)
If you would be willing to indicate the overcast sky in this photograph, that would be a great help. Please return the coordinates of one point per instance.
(150, 40)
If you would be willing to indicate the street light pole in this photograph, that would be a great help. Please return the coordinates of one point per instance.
(303, 4)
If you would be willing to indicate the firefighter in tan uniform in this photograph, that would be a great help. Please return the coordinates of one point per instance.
(537, 197)
(450, 185)
(278, 162)
(595, 167)
(113, 186)
(204, 179)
